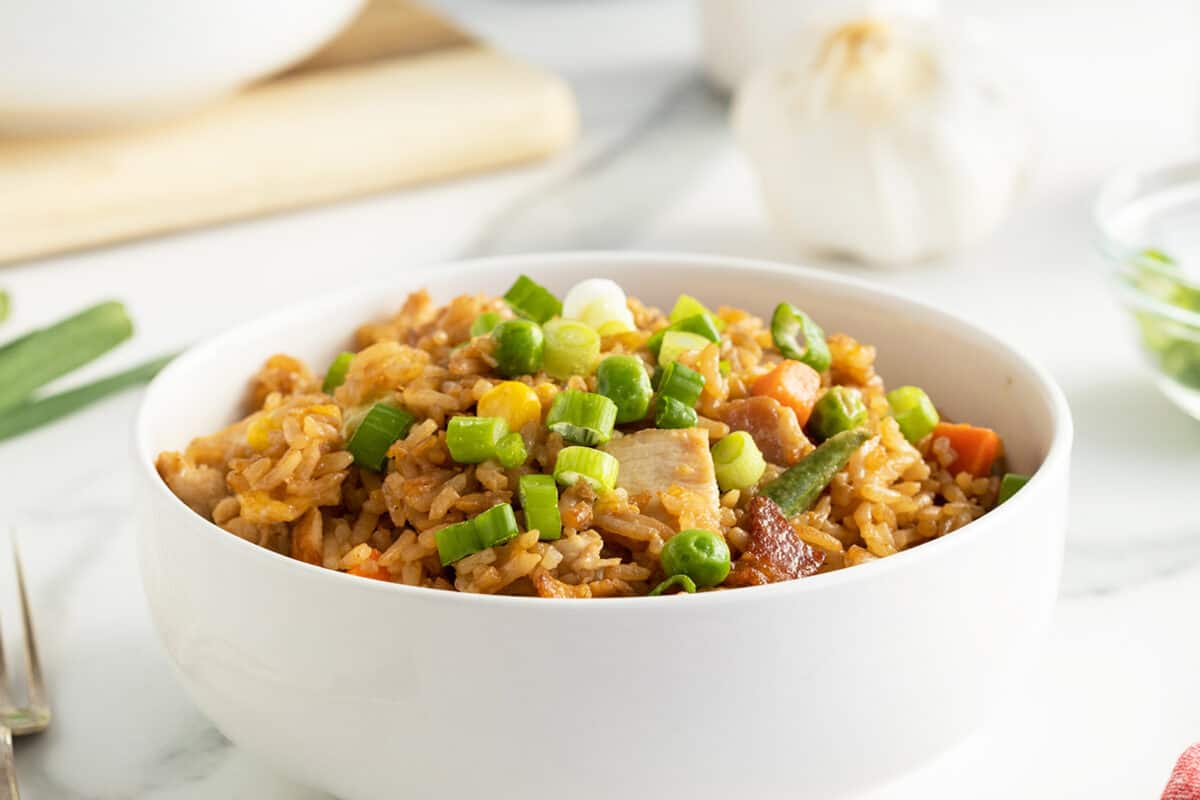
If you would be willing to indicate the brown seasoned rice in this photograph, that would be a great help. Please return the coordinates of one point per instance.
(280, 477)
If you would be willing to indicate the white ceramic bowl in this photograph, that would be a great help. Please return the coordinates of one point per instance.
(71, 66)
(813, 688)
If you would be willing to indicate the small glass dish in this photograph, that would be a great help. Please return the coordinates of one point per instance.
(1149, 227)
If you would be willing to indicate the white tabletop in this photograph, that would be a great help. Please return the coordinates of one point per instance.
(1114, 700)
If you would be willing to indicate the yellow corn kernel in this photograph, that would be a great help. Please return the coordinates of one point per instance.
(258, 432)
(513, 401)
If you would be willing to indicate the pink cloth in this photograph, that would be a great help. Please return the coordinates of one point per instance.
(1185, 778)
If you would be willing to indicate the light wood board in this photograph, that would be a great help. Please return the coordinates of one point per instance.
(401, 97)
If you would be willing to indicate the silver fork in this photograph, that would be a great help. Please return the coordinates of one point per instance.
(34, 716)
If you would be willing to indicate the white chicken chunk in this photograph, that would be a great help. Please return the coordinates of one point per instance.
(667, 470)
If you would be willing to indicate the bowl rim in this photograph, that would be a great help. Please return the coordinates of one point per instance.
(1039, 486)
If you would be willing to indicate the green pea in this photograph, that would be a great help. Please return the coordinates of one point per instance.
(623, 380)
(701, 555)
(519, 347)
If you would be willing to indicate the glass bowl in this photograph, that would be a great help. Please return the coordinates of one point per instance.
(1149, 228)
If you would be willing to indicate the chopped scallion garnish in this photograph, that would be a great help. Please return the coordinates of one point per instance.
(510, 451)
(539, 500)
(484, 323)
(676, 343)
(594, 467)
(582, 417)
(737, 461)
(336, 375)
(496, 526)
(532, 300)
(670, 413)
(699, 324)
(571, 348)
(682, 383)
(685, 583)
(380, 428)
(473, 440)
(455, 542)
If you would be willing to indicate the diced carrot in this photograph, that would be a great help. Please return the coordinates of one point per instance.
(370, 568)
(793, 384)
(977, 448)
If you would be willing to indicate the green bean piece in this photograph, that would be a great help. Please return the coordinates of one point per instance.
(701, 555)
(31, 414)
(841, 408)
(800, 485)
(799, 338)
(519, 347)
(41, 356)
(623, 380)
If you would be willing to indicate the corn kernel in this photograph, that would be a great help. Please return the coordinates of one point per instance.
(258, 432)
(514, 402)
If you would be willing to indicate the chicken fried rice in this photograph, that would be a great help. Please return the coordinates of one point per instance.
(588, 447)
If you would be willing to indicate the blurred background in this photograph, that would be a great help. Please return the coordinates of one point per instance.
(589, 124)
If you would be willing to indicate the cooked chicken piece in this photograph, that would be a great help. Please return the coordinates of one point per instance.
(776, 553)
(674, 464)
(772, 425)
(200, 486)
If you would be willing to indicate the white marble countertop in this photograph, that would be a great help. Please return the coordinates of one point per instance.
(1114, 700)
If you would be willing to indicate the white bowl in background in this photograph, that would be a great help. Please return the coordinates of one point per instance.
(813, 688)
(76, 65)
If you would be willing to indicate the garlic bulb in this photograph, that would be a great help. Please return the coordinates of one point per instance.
(889, 140)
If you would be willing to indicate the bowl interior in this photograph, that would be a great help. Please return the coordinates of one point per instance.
(970, 375)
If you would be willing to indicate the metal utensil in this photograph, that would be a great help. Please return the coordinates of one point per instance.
(34, 715)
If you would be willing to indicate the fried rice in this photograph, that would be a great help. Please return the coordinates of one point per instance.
(282, 477)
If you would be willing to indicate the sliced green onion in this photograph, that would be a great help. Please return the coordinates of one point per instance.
(5, 305)
(457, 541)
(670, 413)
(532, 300)
(688, 306)
(596, 468)
(519, 347)
(914, 412)
(599, 303)
(539, 499)
(484, 323)
(42, 355)
(682, 383)
(841, 408)
(496, 526)
(1010, 484)
(31, 413)
(623, 380)
(738, 462)
(473, 440)
(582, 417)
(725, 366)
(571, 348)
(682, 581)
(700, 324)
(799, 338)
(676, 343)
(336, 374)
(510, 451)
(382, 426)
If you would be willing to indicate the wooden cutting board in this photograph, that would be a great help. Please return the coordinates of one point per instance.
(402, 96)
